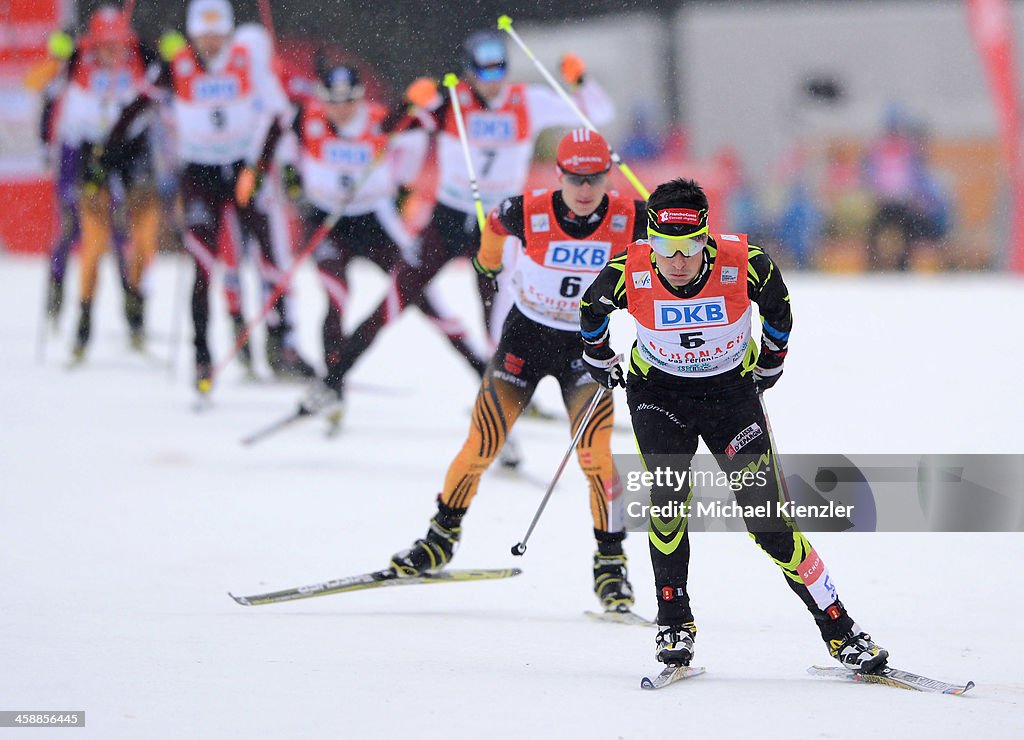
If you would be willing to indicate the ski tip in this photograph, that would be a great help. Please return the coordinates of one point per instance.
(240, 599)
(670, 675)
(967, 687)
(627, 617)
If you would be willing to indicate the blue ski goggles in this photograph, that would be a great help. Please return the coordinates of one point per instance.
(490, 73)
(488, 60)
(670, 246)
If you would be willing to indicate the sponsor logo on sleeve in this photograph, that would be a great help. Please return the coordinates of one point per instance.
(814, 574)
(742, 439)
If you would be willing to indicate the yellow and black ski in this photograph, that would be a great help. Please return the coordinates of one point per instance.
(893, 677)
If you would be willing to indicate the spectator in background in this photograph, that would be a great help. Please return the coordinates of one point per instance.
(676, 144)
(742, 208)
(642, 141)
(800, 222)
(932, 203)
(796, 222)
(897, 175)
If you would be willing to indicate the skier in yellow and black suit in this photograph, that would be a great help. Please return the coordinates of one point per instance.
(695, 372)
(568, 235)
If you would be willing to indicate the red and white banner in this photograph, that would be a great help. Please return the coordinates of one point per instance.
(991, 25)
(27, 221)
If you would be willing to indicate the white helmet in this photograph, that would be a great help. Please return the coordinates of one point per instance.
(209, 17)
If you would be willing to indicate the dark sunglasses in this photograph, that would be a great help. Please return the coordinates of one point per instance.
(580, 180)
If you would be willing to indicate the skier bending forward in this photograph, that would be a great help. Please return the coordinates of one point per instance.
(695, 372)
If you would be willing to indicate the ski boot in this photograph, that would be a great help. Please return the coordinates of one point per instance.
(245, 351)
(204, 368)
(284, 361)
(674, 644)
(83, 333)
(54, 300)
(134, 311)
(333, 388)
(611, 581)
(324, 397)
(436, 550)
(204, 377)
(856, 651)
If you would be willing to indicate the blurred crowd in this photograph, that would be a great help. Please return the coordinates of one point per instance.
(838, 204)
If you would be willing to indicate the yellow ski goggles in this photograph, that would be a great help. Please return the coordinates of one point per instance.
(670, 246)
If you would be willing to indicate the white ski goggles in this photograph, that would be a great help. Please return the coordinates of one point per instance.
(670, 246)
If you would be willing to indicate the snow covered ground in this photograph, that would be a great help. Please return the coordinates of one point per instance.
(125, 517)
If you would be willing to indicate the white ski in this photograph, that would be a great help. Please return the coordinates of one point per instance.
(671, 674)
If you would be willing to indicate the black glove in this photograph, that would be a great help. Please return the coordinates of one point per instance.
(94, 173)
(769, 366)
(291, 180)
(402, 196)
(487, 273)
(603, 364)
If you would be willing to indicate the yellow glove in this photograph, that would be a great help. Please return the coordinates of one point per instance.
(60, 45)
(422, 92)
(170, 44)
(573, 69)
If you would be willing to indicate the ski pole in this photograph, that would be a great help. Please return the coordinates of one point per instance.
(520, 548)
(450, 81)
(779, 473)
(275, 426)
(505, 24)
(282, 285)
(267, 19)
(177, 312)
(311, 244)
(44, 321)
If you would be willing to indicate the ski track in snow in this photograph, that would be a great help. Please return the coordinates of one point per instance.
(126, 517)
